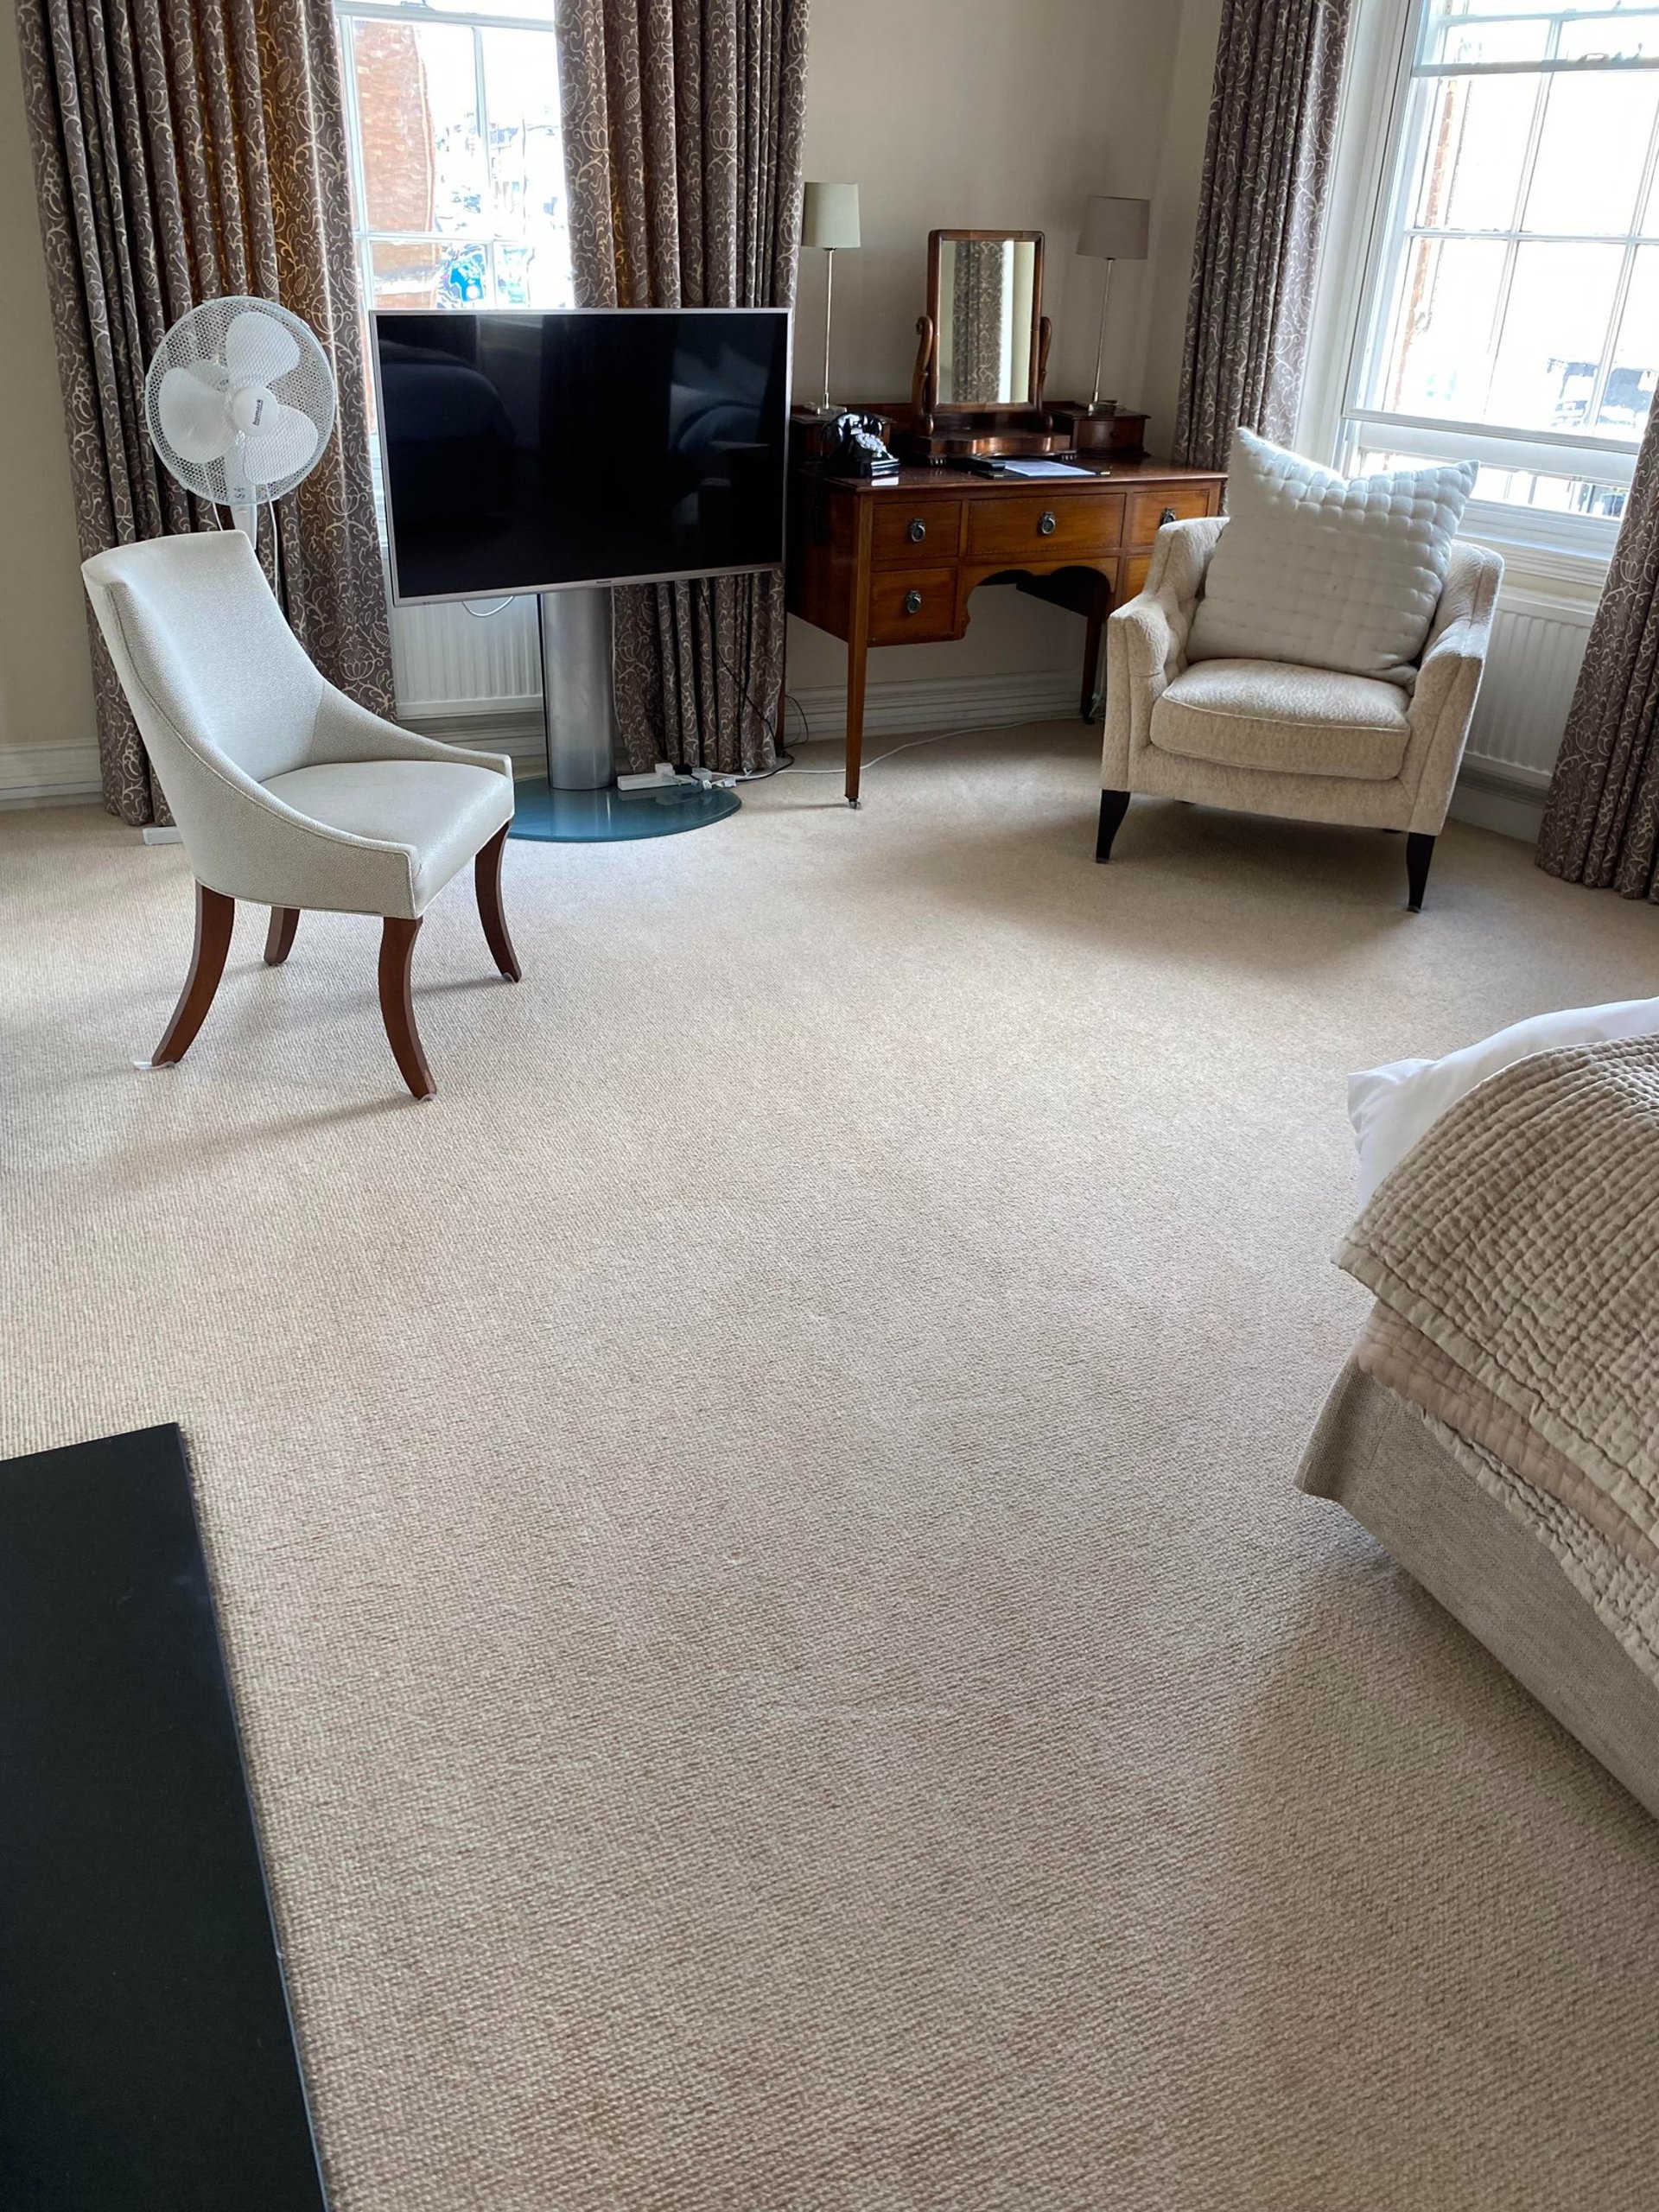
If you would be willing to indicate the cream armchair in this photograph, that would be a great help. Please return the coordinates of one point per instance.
(286, 792)
(1268, 737)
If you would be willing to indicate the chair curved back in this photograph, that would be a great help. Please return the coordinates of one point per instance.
(220, 688)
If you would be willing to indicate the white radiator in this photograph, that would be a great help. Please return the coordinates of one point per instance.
(449, 663)
(1537, 646)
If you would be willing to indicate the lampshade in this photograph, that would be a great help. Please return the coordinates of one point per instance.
(830, 215)
(1114, 230)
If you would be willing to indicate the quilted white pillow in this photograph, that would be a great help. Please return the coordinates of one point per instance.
(1325, 570)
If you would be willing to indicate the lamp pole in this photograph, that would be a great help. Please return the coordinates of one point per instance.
(1100, 339)
(829, 294)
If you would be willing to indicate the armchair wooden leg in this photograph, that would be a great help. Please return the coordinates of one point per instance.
(215, 917)
(279, 938)
(1420, 851)
(487, 882)
(1114, 805)
(398, 1004)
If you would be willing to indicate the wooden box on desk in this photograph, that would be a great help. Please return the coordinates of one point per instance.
(1098, 433)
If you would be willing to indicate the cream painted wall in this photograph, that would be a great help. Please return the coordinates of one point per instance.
(945, 112)
(1001, 112)
(48, 738)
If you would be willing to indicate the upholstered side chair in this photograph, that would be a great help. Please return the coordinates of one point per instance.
(285, 791)
(1269, 737)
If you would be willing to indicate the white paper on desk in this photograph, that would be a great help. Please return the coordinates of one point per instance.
(1043, 468)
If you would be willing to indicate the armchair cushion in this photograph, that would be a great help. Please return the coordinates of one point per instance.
(1326, 571)
(1271, 715)
(439, 811)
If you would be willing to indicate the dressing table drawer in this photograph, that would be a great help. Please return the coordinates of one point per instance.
(1035, 528)
(916, 530)
(913, 606)
(1150, 511)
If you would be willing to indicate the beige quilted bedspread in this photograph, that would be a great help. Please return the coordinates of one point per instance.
(1521, 1237)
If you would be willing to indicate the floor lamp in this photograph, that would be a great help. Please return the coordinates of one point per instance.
(829, 219)
(1113, 230)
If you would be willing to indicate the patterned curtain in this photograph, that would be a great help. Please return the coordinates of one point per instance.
(1273, 123)
(185, 149)
(682, 152)
(1601, 820)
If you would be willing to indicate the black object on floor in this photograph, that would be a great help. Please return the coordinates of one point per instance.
(147, 2059)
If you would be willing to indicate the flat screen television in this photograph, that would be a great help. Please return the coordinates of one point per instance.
(525, 451)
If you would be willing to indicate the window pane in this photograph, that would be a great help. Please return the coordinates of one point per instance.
(1438, 360)
(521, 79)
(1630, 380)
(1592, 154)
(1561, 304)
(1625, 38)
(423, 165)
(1516, 487)
(1461, 41)
(429, 273)
(1474, 140)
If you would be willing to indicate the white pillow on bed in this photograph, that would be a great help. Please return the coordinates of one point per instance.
(1392, 1107)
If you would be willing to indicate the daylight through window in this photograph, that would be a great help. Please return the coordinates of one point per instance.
(1513, 309)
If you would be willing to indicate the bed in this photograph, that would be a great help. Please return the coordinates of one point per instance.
(1496, 1428)
(1381, 1459)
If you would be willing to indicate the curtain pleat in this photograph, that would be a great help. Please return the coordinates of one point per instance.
(1601, 819)
(1273, 125)
(185, 150)
(683, 153)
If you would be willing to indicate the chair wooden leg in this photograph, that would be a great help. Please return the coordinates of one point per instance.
(487, 882)
(279, 938)
(215, 917)
(398, 1004)
(1420, 851)
(1114, 805)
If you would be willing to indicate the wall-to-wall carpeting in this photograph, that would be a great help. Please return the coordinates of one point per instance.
(783, 1667)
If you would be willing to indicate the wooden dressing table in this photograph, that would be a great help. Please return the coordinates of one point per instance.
(894, 562)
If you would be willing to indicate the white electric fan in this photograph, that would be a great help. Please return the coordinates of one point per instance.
(240, 404)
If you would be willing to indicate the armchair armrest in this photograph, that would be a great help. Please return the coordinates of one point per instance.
(1146, 640)
(1449, 682)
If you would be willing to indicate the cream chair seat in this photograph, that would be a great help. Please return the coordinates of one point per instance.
(286, 792)
(1271, 737)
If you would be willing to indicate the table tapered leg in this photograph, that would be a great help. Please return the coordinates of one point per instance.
(215, 917)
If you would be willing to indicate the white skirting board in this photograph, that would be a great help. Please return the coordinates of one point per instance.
(48, 775)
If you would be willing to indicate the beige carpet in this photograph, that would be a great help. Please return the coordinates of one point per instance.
(784, 1668)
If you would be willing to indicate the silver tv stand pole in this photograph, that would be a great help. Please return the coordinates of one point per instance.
(578, 699)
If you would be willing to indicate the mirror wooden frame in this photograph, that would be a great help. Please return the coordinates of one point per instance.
(1017, 415)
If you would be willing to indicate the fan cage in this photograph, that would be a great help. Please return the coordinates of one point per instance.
(200, 337)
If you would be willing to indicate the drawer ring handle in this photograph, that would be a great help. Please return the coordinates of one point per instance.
(1046, 525)
(912, 602)
(918, 530)
(1168, 514)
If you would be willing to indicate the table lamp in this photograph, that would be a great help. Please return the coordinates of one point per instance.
(829, 220)
(1113, 230)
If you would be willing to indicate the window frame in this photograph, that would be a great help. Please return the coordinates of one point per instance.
(1367, 233)
(365, 238)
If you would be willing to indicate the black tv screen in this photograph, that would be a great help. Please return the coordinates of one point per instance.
(525, 451)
